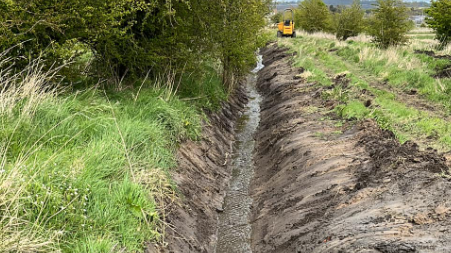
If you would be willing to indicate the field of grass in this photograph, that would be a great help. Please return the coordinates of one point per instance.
(87, 170)
(397, 82)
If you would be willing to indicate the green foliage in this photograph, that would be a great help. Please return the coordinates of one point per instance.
(127, 38)
(353, 110)
(439, 19)
(276, 18)
(388, 102)
(390, 23)
(349, 21)
(313, 16)
(88, 163)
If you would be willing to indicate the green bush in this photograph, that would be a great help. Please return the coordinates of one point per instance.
(313, 16)
(439, 19)
(390, 23)
(276, 18)
(349, 21)
(127, 38)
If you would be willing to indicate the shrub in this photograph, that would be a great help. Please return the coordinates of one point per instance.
(276, 18)
(127, 38)
(313, 16)
(439, 19)
(349, 21)
(390, 23)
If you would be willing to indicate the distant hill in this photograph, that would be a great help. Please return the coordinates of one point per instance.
(365, 4)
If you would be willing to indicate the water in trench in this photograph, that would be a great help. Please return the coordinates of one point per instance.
(234, 231)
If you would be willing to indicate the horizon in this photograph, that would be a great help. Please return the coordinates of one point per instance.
(295, 1)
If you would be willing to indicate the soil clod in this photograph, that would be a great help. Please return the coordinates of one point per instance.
(323, 188)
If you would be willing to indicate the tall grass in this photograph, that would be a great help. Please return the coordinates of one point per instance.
(400, 67)
(88, 171)
(366, 65)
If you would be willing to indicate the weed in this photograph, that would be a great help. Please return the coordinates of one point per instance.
(88, 171)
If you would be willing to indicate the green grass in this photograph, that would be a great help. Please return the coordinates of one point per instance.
(407, 122)
(88, 171)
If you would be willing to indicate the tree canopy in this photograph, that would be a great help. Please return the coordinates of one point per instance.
(313, 16)
(439, 19)
(348, 22)
(390, 23)
(129, 38)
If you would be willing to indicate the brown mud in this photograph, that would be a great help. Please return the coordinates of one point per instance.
(444, 73)
(441, 73)
(323, 188)
(201, 177)
(317, 187)
(432, 54)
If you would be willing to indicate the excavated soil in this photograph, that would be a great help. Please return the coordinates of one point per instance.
(201, 177)
(441, 73)
(444, 73)
(323, 188)
(318, 186)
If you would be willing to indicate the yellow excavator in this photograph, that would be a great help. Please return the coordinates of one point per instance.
(286, 27)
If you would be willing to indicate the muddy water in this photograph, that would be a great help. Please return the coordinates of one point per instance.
(234, 231)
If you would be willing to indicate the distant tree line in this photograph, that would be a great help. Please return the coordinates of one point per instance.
(388, 22)
(126, 38)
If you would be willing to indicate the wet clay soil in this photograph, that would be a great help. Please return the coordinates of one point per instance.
(315, 186)
(234, 231)
(322, 188)
(201, 177)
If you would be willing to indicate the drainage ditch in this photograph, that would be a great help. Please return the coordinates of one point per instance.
(234, 231)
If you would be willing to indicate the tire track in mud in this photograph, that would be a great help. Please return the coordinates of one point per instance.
(357, 191)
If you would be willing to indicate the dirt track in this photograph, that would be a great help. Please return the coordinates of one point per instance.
(317, 187)
(320, 188)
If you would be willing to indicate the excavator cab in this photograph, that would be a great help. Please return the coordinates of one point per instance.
(286, 27)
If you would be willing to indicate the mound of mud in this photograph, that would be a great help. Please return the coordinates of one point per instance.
(432, 54)
(443, 73)
(201, 177)
(321, 188)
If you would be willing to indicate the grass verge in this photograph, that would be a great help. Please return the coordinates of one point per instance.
(88, 171)
(395, 71)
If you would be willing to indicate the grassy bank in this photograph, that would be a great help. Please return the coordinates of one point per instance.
(87, 171)
(396, 87)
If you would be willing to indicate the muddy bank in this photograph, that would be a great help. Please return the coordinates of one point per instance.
(323, 188)
(201, 177)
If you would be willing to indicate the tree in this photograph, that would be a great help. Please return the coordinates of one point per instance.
(276, 18)
(439, 19)
(313, 16)
(128, 38)
(390, 23)
(349, 21)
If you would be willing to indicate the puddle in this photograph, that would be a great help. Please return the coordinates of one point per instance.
(234, 231)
